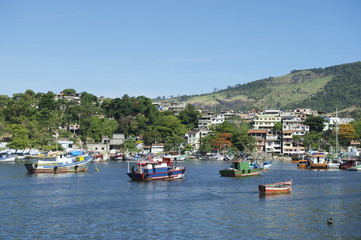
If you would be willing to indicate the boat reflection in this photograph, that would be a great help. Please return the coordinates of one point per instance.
(274, 195)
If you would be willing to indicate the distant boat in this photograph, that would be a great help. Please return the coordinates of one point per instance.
(347, 163)
(302, 163)
(58, 164)
(281, 187)
(241, 169)
(356, 167)
(214, 156)
(334, 163)
(267, 165)
(318, 161)
(7, 158)
(154, 170)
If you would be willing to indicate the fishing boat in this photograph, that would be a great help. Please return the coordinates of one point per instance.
(295, 158)
(334, 162)
(7, 158)
(347, 163)
(318, 161)
(241, 169)
(356, 167)
(147, 170)
(59, 164)
(302, 163)
(267, 165)
(281, 187)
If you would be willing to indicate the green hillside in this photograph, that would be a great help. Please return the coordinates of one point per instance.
(324, 89)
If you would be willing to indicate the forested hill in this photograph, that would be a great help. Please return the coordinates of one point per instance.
(324, 89)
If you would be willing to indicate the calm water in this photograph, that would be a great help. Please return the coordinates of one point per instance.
(203, 205)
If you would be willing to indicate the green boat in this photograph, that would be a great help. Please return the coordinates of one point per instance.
(241, 169)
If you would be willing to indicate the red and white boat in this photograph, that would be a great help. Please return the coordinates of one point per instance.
(281, 187)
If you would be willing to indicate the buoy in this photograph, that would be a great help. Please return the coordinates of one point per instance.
(329, 221)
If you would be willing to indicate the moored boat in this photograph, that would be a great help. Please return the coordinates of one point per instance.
(267, 165)
(295, 158)
(7, 158)
(281, 187)
(318, 161)
(303, 163)
(347, 163)
(334, 163)
(58, 164)
(155, 169)
(356, 167)
(241, 168)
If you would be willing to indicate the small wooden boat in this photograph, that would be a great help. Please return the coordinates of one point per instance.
(281, 187)
(303, 163)
(295, 159)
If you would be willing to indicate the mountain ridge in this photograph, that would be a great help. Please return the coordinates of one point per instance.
(324, 89)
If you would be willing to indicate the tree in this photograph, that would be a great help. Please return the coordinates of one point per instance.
(346, 133)
(189, 116)
(277, 126)
(316, 123)
(20, 137)
(130, 145)
(69, 92)
(47, 101)
(222, 142)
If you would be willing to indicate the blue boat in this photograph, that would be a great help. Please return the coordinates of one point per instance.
(154, 170)
(58, 164)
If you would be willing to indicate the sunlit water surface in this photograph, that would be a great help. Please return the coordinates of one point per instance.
(105, 204)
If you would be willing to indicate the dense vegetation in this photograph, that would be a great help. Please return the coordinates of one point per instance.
(36, 119)
(324, 89)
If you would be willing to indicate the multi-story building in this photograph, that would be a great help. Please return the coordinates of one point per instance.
(194, 138)
(273, 143)
(260, 137)
(266, 121)
(303, 112)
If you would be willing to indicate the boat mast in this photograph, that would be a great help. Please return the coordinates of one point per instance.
(336, 133)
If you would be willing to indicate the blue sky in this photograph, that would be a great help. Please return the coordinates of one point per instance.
(168, 47)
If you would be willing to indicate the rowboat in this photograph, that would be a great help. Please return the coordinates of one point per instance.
(281, 187)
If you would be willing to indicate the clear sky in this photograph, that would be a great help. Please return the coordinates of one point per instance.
(169, 47)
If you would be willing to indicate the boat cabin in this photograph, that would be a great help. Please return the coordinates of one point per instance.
(240, 165)
(318, 158)
(152, 167)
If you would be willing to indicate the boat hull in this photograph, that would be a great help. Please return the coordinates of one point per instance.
(354, 168)
(318, 165)
(282, 187)
(171, 174)
(78, 166)
(8, 159)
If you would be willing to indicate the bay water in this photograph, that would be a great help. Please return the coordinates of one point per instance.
(106, 204)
